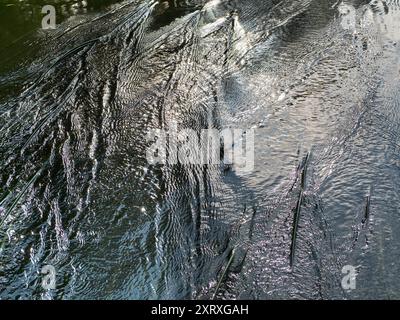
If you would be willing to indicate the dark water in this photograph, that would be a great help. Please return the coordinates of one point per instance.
(76, 190)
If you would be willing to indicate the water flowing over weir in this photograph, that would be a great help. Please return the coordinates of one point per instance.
(77, 192)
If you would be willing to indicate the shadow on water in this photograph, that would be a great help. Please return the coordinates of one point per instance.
(21, 17)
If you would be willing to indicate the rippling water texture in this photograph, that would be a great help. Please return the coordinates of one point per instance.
(77, 193)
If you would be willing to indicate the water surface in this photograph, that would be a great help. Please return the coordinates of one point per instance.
(77, 192)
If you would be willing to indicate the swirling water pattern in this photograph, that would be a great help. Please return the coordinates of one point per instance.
(77, 193)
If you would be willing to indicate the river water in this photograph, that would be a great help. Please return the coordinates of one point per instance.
(316, 81)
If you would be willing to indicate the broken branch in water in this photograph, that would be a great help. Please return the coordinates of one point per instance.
(224, 273)
(297, 211)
